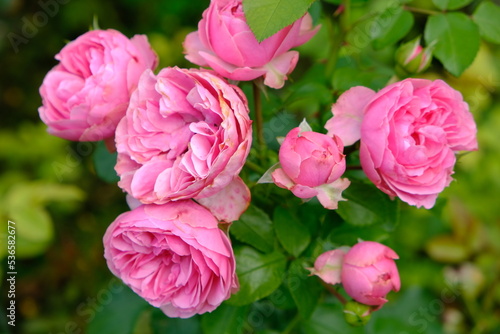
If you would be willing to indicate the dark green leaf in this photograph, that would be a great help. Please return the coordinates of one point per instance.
(367, 205)
(104, 163)
(348, 77)
(267, 17)
(114, 310)
(451, 4)
(292, 234)
(259, 274)
(392, 25)
(226, 319)
(457, 40)
(305, 289)
(254, 228)
(486, 16)
(329, 319)
(161, 324)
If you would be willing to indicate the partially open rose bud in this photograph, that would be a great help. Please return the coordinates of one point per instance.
(367, 271)
(412, 58)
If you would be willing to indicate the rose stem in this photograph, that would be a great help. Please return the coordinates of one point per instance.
(334, 292)
(259, 123)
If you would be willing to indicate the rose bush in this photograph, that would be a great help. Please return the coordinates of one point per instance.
(87, 93)
(186, 135)
(311, 164)
(225, 43)
(367, 271)
(410, 132)
(172, 255)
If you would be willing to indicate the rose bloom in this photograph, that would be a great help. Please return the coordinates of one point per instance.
(87, 93)
(186, 134)
(367, 271)
(311, 164)
(225, 43)
(410, 132)
(174, 256)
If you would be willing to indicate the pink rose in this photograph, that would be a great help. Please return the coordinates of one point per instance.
(367, 271)
(410, 132)
(186, 134)
(174, 256)
(225, 42)
(87, 93)
(311, 164)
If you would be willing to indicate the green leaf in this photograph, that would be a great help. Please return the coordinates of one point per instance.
(367, 205)
(267, 17)
(226, 319)
(329, 319)
(161, 324)
(254, 228)
(292, 234)
(486, 16)
(104, 163)
(305, 289)
(348, 77)
(457, 40)
(114, 310)
(393, 24)
(259, 274)
(451, 4)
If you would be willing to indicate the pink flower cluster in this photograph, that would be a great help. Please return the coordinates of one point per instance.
(182, 137)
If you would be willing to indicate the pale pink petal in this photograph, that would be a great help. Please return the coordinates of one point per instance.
(230, 202)
(348, 114)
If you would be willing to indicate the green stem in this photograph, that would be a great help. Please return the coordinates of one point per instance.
(291, 325)
(334, 292)
(421, 10)
(337, 40)
(253, 166)
(345, 19)
(259, 122)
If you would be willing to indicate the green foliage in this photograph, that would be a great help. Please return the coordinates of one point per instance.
(254, 228)
(394, 24)
(267, 17)
(486, 17)
(451, 4)
(457, 40)
(259, 274)
(292, 234)
(226, 319)
(104, 163)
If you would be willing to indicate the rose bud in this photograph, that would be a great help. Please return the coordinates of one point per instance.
(310, 165)
(225, 43)
(412, 58)
(174, 256)
(369, 272)
(87, 93)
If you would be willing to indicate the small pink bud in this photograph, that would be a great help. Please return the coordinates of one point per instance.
(328, 266)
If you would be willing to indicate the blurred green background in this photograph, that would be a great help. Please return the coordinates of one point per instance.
(49, 187)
